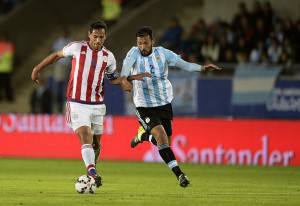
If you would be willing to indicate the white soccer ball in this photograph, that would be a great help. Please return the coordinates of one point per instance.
(85, 184)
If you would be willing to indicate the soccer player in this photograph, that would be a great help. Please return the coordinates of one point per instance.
(85, 93)
(152, 96)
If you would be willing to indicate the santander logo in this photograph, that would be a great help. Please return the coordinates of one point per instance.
(30, 123)
(220, 155)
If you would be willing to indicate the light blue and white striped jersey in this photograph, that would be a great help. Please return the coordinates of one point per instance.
(157, 90)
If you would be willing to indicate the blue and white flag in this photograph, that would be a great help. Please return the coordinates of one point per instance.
(252, 84)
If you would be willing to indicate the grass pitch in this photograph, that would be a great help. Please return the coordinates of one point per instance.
(51, 182)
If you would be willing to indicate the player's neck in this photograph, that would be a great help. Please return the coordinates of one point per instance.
(145, 55)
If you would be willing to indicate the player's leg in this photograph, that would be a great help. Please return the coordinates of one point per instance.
(78, 117)
(97, 118)
(153, 120)
(167, 124)
(86, 139)
(164, 112)
(97, 146)
(142, 136)
(167, 154)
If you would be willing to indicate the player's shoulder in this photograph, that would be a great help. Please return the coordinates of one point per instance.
(107, 51)
(109, 55)
(134, 48)
(76, 44)
(133, 52)
(161, 49)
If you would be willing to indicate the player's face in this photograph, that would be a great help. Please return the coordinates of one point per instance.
(145, 45)
(97, 38)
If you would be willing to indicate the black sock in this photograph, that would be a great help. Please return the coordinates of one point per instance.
(168, 156)
(146, 136)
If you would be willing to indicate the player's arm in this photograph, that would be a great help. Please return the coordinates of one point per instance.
(138, 77)
(125, 82)
(192, 67)
(175, 60)
(126, 78)
(126, 86)
(44, 63)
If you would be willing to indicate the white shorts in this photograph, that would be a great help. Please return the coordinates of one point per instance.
(78, 115)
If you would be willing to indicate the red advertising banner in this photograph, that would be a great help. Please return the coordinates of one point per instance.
(205, 141)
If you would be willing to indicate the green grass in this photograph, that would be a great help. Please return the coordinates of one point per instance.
(51, 182)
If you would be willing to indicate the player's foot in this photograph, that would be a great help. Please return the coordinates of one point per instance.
(97, 178)
(183, 180)
(138, 138)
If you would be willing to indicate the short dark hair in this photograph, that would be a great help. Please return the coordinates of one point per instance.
(145, 31)
(98, 25)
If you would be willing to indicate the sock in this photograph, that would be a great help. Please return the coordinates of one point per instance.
(91, 170)
(97, 149)
(168, 156)
(148, 138)
(88, 156)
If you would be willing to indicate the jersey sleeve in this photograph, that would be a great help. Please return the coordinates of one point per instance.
(187, 66)
(171, 57)
(175, 60)
(69, 49)
(111, 71)
(129, 61)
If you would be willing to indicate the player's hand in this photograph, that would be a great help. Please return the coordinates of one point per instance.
(35, 75)
(211, 67)
(140, 76)
(126, 85)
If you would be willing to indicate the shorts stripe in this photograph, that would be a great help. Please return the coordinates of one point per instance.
(142, 121)
(68, 113)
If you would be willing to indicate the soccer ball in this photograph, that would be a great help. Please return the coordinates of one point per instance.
(85, 184)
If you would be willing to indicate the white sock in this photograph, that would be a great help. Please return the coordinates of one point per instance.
(88, 154)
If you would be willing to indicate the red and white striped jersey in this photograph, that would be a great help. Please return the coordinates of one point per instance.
(87, 75)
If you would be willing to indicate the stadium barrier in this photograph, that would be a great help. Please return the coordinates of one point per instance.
(213, 98)
(203, 141)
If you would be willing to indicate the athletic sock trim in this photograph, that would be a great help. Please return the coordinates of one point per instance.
(84, 146)
(172, 164)
(91, 166)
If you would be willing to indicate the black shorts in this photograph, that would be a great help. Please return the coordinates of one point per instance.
(150, 117)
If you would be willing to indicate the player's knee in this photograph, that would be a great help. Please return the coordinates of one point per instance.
(84, 134)
(161, 137)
